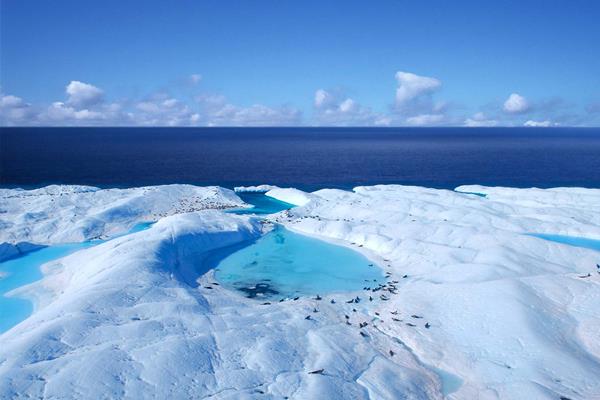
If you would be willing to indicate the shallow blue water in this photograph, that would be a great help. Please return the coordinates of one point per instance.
(450, 382)
(570, 240)
(24, 270)
(262, 204)
(286, 264)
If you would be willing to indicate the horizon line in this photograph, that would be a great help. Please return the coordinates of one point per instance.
(304, 127)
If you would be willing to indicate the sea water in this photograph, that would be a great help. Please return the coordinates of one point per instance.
(283, 264)
(306, 158)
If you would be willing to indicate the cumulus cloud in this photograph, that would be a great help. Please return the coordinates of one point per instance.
(215, 110)
(411, 86)
(14, 110)
(479, 120)
(337, 110)
(83, 95)
(516, 104)
(61, 112)
(539, 124)
(414, 101)
(426, 119)
(323, 99)
(412, 105)
(163, 110)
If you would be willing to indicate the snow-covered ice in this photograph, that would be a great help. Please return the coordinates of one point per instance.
(482, 309)
(63, 213)
(255, 189)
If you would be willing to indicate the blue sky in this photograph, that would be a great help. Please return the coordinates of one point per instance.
(300, 63)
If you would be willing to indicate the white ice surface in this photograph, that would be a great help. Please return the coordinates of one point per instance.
(62, 214)
(290, 195)
(258, 188)
(509, 314)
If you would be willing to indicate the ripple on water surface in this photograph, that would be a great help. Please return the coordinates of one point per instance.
(286, 264)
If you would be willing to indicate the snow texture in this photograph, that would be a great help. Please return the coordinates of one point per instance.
(478, 302)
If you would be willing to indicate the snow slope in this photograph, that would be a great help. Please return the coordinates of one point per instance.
(511, 315)
(257, 189)
(131, 323)
(481, 311)
(61, 214)
(290, 195)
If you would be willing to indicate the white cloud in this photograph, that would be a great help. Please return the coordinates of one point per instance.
(10, 101)
(412, 86)
(479, 120)
(82, 94)
(414, 105)
(15, 111)
(62, 112)
(336, 110)
(516, 104)
(426, 119)
(216, 111)
(164, 110)
(323, 98)
(539, 124)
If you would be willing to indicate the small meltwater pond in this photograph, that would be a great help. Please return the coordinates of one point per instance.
(570, 240)
(286, 264)
(261, 203)
(25, 269)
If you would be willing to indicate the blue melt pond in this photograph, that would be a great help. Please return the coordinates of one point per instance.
(22, 271)
(286, 264)
(570, 240)
(25, 269)
(261, 204)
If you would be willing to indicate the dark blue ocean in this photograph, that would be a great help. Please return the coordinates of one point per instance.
(308, 158)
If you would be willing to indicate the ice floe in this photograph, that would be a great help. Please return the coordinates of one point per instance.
(473, 306)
